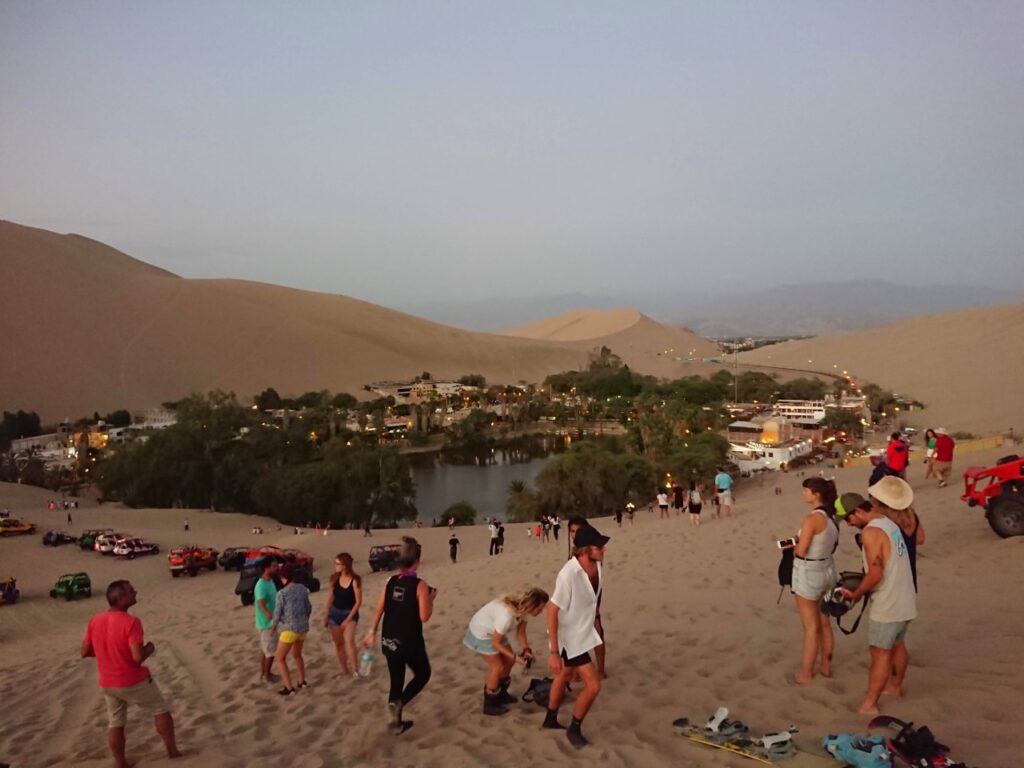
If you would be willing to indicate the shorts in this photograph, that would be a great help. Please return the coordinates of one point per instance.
(485, 647)
(813, 578)
(335, 616)
(695, 509)
(725, 498)
(942, 468)
(287, 636)
(885, 634)
(144, 694)
(268, 642)
(579, 661)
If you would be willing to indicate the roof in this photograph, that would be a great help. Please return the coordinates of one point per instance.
(745, 425)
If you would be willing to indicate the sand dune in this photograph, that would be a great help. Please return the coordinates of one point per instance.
(691, 619)
(965, 366)
(578, 325)
(95, 329)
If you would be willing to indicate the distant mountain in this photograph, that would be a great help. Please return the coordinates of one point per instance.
(789, 310)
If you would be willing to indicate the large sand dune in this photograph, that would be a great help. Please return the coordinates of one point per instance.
(690, 617)
(967, 367)
(90, 328)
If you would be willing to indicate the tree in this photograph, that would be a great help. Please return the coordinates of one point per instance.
(463, 512)
(119, 418)
(344, 401)
(268, 400)
(473, 380)
(521, 505)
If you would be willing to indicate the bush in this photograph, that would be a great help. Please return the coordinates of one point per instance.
(463, 512)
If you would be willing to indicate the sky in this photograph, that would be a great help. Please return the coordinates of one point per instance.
(448, 151)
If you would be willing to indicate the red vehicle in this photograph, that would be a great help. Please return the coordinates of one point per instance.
(282, 556)
(1000, 490)
(191, 559)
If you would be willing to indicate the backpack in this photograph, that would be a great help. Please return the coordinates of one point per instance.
(695, 497)
(858, 751)
(539, 691)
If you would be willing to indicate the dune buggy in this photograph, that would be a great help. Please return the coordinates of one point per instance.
(72, 585)
(1000, 490)
(191, 560)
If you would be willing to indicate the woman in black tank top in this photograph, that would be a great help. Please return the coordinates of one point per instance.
(342, 614)
(405, 603)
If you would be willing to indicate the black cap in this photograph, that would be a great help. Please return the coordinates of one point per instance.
(588, 536)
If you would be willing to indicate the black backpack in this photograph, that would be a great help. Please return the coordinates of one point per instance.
(539, 691)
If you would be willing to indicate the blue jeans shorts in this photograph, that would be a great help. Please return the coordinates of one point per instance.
(486, 647)
(885, 634)
(335, 616)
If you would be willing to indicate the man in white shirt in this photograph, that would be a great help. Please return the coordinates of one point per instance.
(493, 529)
(571, 633)
(662, 504)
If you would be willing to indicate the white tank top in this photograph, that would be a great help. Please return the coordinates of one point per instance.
(823, 544)
(893, 599)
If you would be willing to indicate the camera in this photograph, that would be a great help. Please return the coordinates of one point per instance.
(786, 543)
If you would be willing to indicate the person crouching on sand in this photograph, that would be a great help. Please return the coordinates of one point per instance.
(291, 619)
(342, 613)
(814, 574)
(406, 602)
(571, 614)
(488, 636)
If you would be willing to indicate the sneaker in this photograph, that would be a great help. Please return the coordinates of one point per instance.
(303, 684)
(286, 692)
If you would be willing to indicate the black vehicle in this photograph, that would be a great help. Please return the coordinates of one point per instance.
(251, 574)
(56, 538)
(233, 558)
(384, 557)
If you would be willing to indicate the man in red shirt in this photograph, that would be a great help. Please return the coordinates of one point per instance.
(897, 456)
(943, 464)
(115, 638)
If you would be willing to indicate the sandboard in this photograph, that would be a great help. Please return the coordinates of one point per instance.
(737, 744)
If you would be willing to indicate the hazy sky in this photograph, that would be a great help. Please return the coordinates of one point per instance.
(446, 150)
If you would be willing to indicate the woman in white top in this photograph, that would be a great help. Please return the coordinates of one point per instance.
(488, 636)
(814, 573)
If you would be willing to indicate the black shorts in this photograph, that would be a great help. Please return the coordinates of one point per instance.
(577, 661)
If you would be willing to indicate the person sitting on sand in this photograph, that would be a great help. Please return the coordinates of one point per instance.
(488, 636)
(115, 638)
(814, 574)
(291, 620)
(406, 602)
(342, 613)
(571, 615)
(889, 581)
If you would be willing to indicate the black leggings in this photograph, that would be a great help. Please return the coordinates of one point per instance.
(416, 659)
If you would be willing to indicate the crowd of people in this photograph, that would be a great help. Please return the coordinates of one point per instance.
(890, 532)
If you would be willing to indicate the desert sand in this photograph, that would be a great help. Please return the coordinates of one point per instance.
(691, 618)
(966, 366)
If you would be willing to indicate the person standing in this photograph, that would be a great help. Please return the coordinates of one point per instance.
(662, 504)
(572, 634)
(897, 455)
(890, 583)
(814, 574)
(342, 613)
(115, 639)
(630, 512)
(501, 537)
(696, 503)
(406, 602)
(291, 620)
(678, 499)
(556, 526)
(453, 547)
(265, 598)
(929, 455)
(186, 526)
(488, 636)
(492, 528)
(944, 447)
(723, 486)
(451, 523)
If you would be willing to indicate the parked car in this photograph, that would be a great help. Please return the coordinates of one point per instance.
(132, 548)
(9, 593)
(233, 558)
(56, 538)
(384, 557)
(11, 527)
(88, 538)
(191, 559)
(106, 542)
(72, 585)
(250, 573)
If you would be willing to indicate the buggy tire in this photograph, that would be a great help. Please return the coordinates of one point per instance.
(131, 555)
(53, 593)
(68, 595)
(87, 592)
(193, 572)
(1006, 515)
(248, 598)
(175, 574)
(212, 566)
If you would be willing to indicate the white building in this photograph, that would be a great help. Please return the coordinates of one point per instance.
(804, 411)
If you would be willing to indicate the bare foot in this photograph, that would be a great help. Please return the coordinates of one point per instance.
(825, 672)
(803, 679)
(893, 690)
(173, 754)
(868, 709)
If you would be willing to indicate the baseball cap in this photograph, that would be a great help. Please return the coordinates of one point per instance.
(848, 503)
(588, 536)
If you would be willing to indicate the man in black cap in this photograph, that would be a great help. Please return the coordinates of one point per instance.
(571, 614)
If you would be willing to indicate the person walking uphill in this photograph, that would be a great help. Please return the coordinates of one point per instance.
(723, 485)
(406, 602)
(572, 612)
(888, 579)
(115, 639)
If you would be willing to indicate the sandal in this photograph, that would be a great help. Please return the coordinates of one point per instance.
(303, 684)
(286, 692)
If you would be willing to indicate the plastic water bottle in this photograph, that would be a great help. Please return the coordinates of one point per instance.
(365, 663)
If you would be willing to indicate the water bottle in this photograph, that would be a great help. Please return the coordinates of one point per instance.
(365, 663)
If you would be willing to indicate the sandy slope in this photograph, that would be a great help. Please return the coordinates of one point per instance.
(691, 618)
(578, 325)
(91, 328)
(965, 366)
